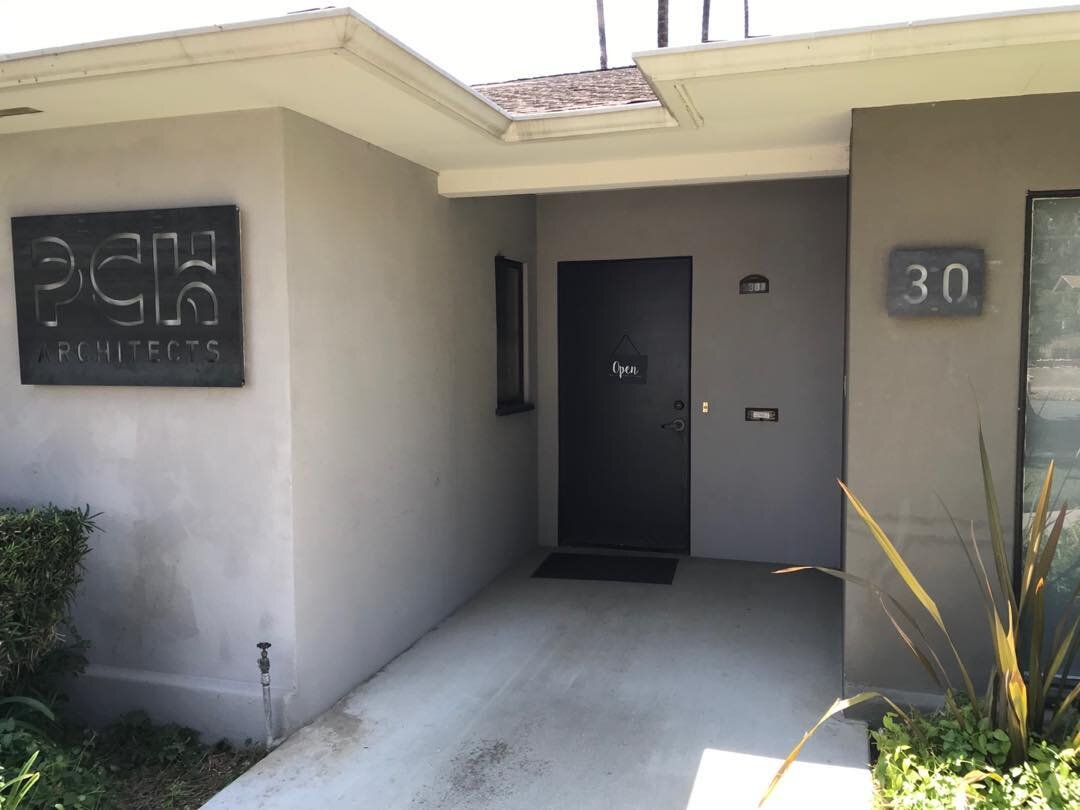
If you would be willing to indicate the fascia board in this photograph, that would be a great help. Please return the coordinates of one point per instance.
(265, 38)
(827, 160)
(860, 45)
(371, 49)
(596, 121)
(339, 31)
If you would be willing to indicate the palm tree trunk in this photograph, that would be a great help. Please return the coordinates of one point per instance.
(661, 23)
(602, 28)
(705, 20)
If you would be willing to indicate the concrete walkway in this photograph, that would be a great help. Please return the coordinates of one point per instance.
(581, 695)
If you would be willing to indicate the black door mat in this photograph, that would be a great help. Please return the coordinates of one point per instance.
(608, 568)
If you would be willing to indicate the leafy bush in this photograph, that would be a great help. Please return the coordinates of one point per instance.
(56, 771)
(41, 553)
(133, 764)
(45, 762)
(945, 761)
(69, 776)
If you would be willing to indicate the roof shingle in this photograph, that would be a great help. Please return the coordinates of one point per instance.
(570, 91)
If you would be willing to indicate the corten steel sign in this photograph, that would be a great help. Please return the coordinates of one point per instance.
(130, 298)
(936, 281)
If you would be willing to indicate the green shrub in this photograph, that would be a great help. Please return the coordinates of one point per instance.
(41, 553)
(133, 764)
(47, 763)
(50, 765)
(952, 760)
(69, 774)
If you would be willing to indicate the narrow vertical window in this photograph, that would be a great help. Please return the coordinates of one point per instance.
(510, 335)
(1051, 386)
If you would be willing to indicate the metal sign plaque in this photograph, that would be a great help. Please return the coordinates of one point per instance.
(936, 281)
(629, 368)
(130, 298)
(762, 414)
(753, 284)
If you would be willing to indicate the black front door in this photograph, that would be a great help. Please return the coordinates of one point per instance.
(624, 403)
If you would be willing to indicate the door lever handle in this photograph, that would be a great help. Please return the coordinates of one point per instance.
(678, 425)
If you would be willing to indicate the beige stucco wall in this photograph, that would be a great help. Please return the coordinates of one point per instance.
(937, 174)
(193, 564)
(409, 492)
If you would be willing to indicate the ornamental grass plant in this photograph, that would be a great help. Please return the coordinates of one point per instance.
(1024, 717)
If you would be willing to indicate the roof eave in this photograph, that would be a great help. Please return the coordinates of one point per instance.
(868, 44)
(339, 31)
(342, 32)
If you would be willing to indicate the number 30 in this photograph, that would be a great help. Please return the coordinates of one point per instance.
(918, 292)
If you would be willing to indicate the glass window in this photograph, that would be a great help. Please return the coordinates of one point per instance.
(510, 335)
(1052, 389)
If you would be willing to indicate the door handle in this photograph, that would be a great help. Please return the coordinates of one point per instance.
(678, 425)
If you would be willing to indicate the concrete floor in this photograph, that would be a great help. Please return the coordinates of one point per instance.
(580, 695)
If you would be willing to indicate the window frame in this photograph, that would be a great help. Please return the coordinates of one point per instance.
(520, 402)
(1021, 409)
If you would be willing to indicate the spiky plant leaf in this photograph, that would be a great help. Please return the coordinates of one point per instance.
(911, 581)
(837, 707)
(993, 516)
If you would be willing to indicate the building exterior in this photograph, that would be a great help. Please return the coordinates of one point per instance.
(345, 482)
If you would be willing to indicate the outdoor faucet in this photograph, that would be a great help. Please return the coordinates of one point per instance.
(264, 679)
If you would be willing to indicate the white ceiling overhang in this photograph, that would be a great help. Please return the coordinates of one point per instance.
(764, 108)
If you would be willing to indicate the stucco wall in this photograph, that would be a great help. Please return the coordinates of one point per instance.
(763, 492)
(193, 564)
(366, 429)
(409, 492)
(938, 174)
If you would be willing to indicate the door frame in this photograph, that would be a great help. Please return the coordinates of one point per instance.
(560, 542)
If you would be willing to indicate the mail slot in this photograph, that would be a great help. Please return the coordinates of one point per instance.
(762, 414)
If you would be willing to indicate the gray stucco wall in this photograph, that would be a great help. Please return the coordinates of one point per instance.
(193, 564)
(409, 493)
(938, 174)
(763, 492)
